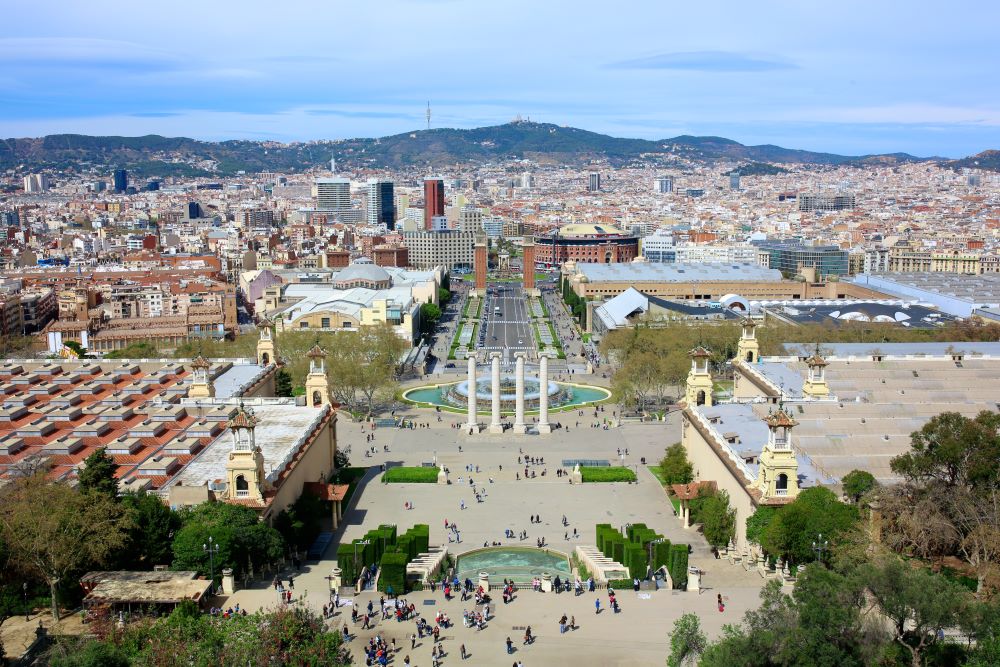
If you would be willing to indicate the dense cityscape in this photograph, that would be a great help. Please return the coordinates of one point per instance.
(372, 379)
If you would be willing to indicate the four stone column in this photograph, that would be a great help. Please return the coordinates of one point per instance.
(543, 397)
(519, 425)
(495, 425)
(472, 426)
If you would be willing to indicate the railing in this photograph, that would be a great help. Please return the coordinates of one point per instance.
(781, 492)
(242, 493)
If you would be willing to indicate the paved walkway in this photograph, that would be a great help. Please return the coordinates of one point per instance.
(637, 636)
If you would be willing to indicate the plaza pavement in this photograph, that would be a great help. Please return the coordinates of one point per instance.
(637, 636)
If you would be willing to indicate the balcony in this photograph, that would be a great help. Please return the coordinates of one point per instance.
(777, 492)
(242, 493)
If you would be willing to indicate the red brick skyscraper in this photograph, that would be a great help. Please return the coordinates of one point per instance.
(528, 263)
(433, 200)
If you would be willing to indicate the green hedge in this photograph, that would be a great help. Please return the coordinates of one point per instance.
(602, 531)
(393, 572)
(421, 535)
(678, 565)
(345, 560)
(607, 474)
(620, 584)
(635, 560)
(661, 555)
(410, 475)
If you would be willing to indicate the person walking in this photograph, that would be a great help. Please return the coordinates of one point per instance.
(462, 652)
(597, 606)
(510, 646)
(413, 641)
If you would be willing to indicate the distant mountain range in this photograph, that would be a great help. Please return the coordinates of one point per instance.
(545, 143)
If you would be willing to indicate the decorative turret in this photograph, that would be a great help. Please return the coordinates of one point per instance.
(265, 346)
(778, 469)
(317, 384)
(201, 381)
(815, 384)
(698, 389)
(245, 467)
(748, 349)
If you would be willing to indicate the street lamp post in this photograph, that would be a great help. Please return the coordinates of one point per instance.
(820, 546)
(24, 587)
(211, 549)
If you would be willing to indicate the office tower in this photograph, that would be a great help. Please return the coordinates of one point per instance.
(381, 203)
(826, 202)
(193, 210)
(152, 186)
(35, 183)
(527, 180)
(470, 219)
(974, 180)
(594, 185)
(664, 184)
(734, 181)
(333, 194)
(121, 180)
(433, 200)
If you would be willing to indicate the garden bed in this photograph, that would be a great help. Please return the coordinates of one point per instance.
(607, 474)
(410, 475)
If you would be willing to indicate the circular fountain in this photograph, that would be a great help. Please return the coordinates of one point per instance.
(456, 394)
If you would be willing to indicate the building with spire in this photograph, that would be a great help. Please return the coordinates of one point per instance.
(698, 388)
(317, 383)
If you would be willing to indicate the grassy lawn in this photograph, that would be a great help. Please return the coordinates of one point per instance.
(472, 341)
(607, 474)
(410, 475)
(454, 341)
(658, 474)
(586, 338)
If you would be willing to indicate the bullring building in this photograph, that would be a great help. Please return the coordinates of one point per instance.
(598, 244)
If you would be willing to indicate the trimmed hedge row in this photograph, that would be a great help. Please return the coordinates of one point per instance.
(633, 551)
(392, 573)
(352, 556)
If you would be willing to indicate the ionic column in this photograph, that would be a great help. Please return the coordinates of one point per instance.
(519, 425)
(495, 425)
(543, 397)
(473, 424)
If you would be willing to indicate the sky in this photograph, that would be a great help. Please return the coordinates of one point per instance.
(851, 77)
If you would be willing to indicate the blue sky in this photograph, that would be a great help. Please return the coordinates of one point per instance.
(847, 77)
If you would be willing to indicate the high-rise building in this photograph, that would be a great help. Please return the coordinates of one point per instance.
(734, 181)
(527, 180)
(381, 204)
(594, 184)
(35, 183)
(470, 219)
(973, 179)
(664, 184)
(826, 202)
(120, 180)
(333, 194)
(433, 200)
(193, 210)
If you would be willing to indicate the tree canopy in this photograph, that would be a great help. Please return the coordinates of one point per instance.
(242, 539)
(796, 526)
(56, 531)
(98, 474)
(857, 483)
(675, 467)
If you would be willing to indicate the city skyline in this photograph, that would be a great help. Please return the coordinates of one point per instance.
(867, 79)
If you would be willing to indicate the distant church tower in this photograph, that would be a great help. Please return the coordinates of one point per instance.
(245, 467)
(777, 468)
(317, 384)
(748, 349)
(815, 384)
(265, 345)
(698, 389)
(201, 382)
